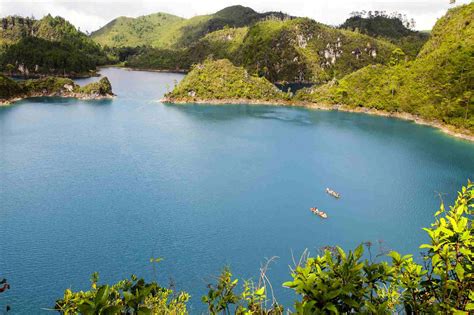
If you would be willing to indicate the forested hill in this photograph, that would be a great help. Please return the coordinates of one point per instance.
(161, 30)
(281, 50)
(50, 45)
(394, 27)
(437, 85)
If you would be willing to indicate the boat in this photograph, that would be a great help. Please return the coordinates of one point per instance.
(319, 213)
(333, 193)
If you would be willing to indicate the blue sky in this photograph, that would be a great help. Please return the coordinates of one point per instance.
(91, 15)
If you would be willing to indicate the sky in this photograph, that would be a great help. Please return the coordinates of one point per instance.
(91, 15)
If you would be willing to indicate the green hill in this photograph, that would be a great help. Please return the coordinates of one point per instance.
(437, 85)
(154, 30)
(274, 45)
(50, 45)
(163, 30)
(302, 50)
(289, 50)
(221, 81)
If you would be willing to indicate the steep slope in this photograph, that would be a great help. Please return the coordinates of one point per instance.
(221, 82)
(51, 45)
(437, 85)
(302, 50)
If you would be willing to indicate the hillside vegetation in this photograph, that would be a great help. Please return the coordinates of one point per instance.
(437, 85)
(220, 80)
(274, 45)
(163, 30)
(302, 50)
(395, 28)
(288, 50)
(50, 45)
(152, 30)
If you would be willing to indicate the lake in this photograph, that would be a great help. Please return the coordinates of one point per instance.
(104, 185)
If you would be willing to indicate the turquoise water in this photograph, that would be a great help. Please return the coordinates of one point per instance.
(103, 186)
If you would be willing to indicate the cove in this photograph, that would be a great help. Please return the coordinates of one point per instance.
(104, 185)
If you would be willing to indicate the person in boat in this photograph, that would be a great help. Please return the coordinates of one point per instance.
(5, 286)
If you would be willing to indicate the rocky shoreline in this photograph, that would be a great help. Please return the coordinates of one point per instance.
(79, 96)
(19, 75)
(445, 128)
(55, 87)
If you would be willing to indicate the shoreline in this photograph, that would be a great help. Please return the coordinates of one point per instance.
(78, 96)
(445, 128)
(17, 75)
(144, 69)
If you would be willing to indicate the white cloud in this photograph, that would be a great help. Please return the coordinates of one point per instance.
(91, 15)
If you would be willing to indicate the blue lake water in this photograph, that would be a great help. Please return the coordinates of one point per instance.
(103, 186)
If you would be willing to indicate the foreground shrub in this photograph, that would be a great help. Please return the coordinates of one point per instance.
(133, 296)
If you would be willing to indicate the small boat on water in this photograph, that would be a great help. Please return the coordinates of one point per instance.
(333, 193)
(319, 213)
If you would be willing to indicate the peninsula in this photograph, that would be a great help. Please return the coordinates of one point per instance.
(12, 91)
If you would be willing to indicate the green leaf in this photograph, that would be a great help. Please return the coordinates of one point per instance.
(426, 246)
(102, 295)
(359, 251)
(260, 291)
(396, 256)
(112, 310)
(459, 271)
(331, 307)
(341, 252)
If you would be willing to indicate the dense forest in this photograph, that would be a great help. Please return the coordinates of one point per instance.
(49, 46)
(441, 281)
(394, 27)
